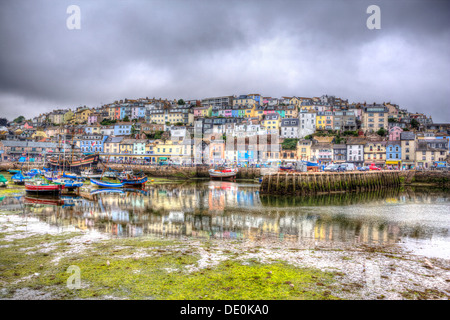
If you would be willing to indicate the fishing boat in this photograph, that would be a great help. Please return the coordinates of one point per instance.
(73, 176)
(33, 172)
(68, 184)
(19, 178)
(3, 181)
(90, 173)
(124, 174)
(42, 187)
(51, 175)
(111, 173)
(286, 168)
(223, 173)
(134, 180)
(105, 184)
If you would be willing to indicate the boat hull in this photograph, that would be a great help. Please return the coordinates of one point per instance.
(229, 174)
(134, 182)
(43, 189)
(104, 184)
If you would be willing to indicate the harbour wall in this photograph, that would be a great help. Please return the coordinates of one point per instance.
(328, 182)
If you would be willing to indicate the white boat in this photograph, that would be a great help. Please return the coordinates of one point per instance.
(223, 173)
(89, 173)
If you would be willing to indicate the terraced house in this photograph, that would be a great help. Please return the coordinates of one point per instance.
(90, 143)
(408, 147)
(375, 152)
(394, 154)
(374, 117)
(429, 151)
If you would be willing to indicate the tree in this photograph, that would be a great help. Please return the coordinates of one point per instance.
(126, 119)
(19, 119)
(392, 120)
(415, 124)
(382, 132)
(181, 102)
(289, 144)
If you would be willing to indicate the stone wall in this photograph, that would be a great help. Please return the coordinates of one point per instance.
(328, 182)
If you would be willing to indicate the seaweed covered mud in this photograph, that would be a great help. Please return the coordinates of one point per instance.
(224, 241)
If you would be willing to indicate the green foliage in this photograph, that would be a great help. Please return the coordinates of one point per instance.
(107, 122)
(289, 144)
(154, 135)
(19, 119)
(415, 124)
(181, 102)
(350, 133)
(126, 119)
(392, 120)
(382, 132)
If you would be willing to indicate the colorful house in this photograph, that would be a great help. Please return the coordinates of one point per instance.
(375, 152)
(394, 154)
(394, 133)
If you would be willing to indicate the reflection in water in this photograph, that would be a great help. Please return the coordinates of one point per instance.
(233, 210)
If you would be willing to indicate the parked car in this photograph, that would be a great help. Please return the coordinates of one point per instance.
(331, 168)
(347, 167)
(363, 168)
(373, 167)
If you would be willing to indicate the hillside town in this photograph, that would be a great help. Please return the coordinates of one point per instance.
(244, 130)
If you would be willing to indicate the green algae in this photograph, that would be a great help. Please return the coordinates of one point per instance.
(167, 270)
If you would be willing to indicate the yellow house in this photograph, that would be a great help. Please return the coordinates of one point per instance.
(39, 135)
(291, 111)
(271, 122)
(82, 115)
(164, 151)
(126, 146)
(93, 129)
(112, 145)
(375, 152)
(324, 120)
(304, 149)
(246, 100)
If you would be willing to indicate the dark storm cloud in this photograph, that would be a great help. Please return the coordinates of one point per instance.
(196, 49)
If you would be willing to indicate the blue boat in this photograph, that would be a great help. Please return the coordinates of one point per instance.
(13, 171)
(134, 181)
(68, 183)
(19, 178)
(105, 184)
(33, 172)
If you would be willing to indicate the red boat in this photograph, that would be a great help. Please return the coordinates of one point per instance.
(40, 187)
(54, 202)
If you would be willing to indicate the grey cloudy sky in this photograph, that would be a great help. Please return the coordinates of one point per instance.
(194, 49)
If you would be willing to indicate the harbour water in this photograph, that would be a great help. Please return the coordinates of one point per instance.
(416, 219)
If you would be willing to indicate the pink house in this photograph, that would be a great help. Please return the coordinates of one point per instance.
(394, 133)
(27, 126)
(92, 118)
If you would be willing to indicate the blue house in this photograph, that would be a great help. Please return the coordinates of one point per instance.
(122, 129)
(91, 143)
(393, 153)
